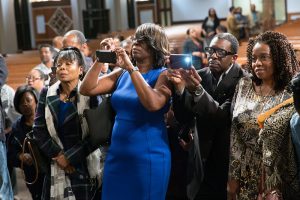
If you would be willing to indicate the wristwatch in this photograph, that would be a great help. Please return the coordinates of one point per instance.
(133, 70)
(199, 90)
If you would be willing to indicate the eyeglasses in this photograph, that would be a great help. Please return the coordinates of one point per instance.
(220, 53)
(31, 78)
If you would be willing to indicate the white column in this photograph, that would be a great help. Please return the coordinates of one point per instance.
(118, 14)
(110, 4)
(123, 15)
(32, 34)
(8, 33)
(77, 6)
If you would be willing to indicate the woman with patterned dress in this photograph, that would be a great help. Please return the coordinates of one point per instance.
(262, 161)
(137, 166)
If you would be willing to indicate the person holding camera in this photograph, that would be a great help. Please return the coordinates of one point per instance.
(206, 95)
(137, 165)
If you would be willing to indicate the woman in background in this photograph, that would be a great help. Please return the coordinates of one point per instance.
(25, 102)
(209, 26)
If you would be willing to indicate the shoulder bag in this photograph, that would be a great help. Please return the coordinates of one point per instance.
(100, 121)
(40, 161)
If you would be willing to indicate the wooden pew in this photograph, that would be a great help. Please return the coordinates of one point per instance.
(19, 66)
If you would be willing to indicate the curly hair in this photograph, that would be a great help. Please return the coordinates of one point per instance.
(156, 39)
(283, 57)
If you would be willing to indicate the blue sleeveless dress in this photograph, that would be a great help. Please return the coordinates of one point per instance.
(137, 165)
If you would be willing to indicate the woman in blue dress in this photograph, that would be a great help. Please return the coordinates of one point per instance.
(137, 165)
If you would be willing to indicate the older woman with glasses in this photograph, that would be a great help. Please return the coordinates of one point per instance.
(138, 162)
(62, 135)
(36, 79)
(262, 159)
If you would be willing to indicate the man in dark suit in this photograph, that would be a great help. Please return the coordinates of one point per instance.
(206, 95)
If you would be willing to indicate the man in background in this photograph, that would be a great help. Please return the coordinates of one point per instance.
(57, 43)
(75, 38)
(46, 52)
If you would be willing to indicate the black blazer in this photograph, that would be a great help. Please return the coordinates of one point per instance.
(212, 132)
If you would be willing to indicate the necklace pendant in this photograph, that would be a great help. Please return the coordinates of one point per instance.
(65, 100)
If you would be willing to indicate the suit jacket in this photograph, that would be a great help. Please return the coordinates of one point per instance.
(212, 132)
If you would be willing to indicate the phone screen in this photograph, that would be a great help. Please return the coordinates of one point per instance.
(183, 61)
(106, 56)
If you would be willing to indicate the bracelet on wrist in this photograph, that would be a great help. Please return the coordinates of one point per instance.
(130, 71)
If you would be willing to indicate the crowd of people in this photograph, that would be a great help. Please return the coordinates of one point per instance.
(217, 130)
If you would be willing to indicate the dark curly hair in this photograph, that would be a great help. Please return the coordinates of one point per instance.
(156, 39)
(283, 57)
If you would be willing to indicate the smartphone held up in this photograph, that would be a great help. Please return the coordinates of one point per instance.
(106, 56)
(183, 61)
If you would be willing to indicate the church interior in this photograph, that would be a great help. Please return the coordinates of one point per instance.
(28, 23)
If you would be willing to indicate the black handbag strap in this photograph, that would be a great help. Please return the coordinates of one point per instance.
(27, 142)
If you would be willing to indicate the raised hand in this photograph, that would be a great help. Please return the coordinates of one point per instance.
(191, 78)
(123, 59)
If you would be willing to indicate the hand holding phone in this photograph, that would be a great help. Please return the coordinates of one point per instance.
(106, 56)
(183, 61)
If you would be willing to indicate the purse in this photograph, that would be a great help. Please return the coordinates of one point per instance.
(100, 122)
(40, 161)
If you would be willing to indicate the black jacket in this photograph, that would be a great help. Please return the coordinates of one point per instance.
(212, 132)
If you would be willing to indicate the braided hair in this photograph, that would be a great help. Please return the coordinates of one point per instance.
(283, 57)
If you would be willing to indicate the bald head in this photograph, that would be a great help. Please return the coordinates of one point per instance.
(57, 42)
(75, 38)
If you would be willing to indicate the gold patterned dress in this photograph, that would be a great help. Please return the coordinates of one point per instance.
(254, 150)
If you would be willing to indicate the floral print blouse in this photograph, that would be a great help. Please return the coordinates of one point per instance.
(255, 151)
